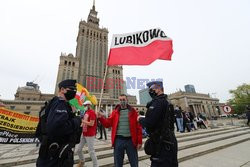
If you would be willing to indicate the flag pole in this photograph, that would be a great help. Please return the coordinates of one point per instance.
(104, 79)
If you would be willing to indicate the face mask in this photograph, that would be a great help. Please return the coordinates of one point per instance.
(152, 93)
(70, 94)
(123, 104)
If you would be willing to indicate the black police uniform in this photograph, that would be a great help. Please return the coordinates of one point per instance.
(63, 131)
(157, 110)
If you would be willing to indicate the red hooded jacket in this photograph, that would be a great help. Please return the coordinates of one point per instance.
(113, 120)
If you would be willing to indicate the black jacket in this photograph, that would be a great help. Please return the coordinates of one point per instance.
(156, 110)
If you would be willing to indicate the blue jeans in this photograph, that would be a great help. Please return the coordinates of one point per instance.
(123, 144)
(180, 124)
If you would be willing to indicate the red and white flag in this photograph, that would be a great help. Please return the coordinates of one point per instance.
(140, 48)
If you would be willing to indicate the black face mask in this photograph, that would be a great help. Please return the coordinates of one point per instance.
(70, 94)
(152, 93)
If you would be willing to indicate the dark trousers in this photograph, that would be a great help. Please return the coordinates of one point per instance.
(186, 125)
(167, 156)
(123, 144)
(248, 121)
(47, 162)
(102, 130)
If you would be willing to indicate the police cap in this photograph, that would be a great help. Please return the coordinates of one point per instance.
(68, 83)
(158, 84)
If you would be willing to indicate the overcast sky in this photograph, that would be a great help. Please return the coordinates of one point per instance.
(211, 40)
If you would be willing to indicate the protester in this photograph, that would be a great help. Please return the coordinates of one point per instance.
(126, 133)
(186, 121)
(204, 118)
(89, 125)
(159, 123)
(101, 128)
(58, 129)
(200, 121)
(179, 118)
(191, 117)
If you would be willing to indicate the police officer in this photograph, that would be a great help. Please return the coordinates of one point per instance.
(159, 123)
(61, 129)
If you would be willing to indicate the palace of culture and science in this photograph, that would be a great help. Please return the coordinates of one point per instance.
(88, 68)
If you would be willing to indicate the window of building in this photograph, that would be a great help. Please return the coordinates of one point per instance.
(73, 64)
(34, 99)
(65, 62)
(12, 107)
(27, 112)
(82, 30)
(28, 99)
(28, 107)
(70, 63)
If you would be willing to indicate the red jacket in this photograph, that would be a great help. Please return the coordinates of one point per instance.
(135, 127)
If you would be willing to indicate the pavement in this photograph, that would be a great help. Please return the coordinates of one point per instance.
(234, 156)
(221, 145)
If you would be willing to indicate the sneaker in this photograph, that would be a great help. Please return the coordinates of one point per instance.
(80, 164)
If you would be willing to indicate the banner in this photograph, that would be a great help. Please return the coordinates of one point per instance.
(140, 48)
(17, 128)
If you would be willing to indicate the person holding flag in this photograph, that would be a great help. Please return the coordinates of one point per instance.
(143, 48)
(126, 133)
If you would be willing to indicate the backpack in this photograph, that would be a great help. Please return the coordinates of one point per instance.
(43, 114)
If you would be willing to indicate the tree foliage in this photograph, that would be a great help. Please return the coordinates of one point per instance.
(241, 98)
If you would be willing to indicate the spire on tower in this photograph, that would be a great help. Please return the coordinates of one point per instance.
(93, 5)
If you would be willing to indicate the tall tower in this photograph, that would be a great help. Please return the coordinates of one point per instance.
(92, 51)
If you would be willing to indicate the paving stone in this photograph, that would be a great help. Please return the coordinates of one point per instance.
(234, 156)
(29, 152)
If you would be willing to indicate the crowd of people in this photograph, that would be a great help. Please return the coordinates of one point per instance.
(60, 130)
(187, 121)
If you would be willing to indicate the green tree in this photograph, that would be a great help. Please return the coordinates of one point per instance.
(241, 98)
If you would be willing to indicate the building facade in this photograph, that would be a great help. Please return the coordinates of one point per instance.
(92, 51)
(90, 62)
(28, 99)
(68, 68)
(196, 103)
